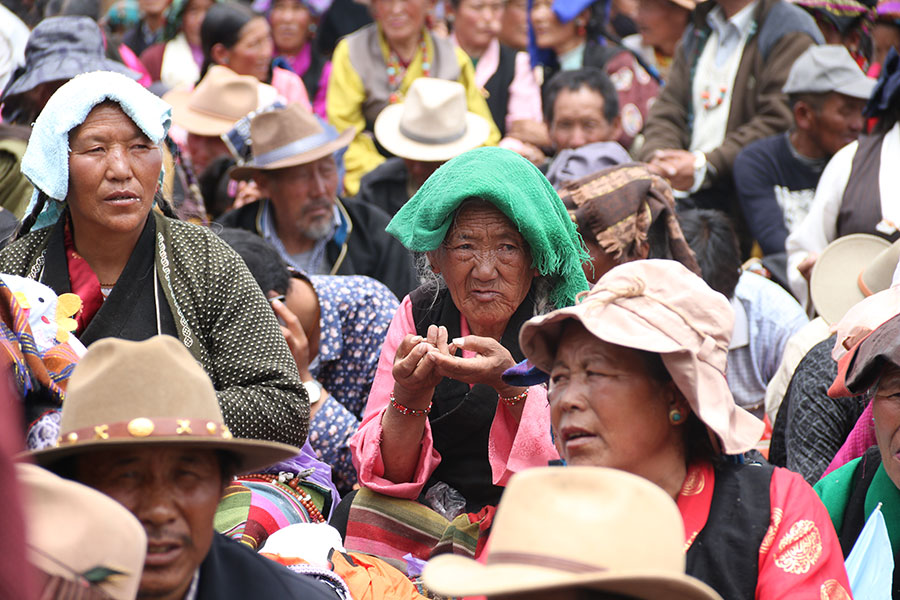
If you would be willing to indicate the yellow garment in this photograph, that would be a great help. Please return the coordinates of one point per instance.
(345, 100)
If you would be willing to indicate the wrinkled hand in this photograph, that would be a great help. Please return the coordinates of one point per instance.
(531, 132)
(247, 192)
(486, 367)
(806, 266)
(415, 373)
(675, 165)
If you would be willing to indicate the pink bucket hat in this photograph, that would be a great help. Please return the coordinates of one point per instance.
(660, 306)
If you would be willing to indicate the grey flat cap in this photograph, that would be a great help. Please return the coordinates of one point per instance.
(823, 69)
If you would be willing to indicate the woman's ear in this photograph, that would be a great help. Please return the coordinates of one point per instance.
(675, 400)
(220, 54)
(434, 261)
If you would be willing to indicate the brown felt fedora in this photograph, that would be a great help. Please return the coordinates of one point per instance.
(289, 136)
(220, 99)
(151, 392)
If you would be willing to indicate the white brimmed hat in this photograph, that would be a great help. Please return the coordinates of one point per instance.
(577, 528)
(432, 124)
(837, 281)
(829, 68)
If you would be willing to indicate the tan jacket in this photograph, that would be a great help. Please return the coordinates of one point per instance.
(758, 107)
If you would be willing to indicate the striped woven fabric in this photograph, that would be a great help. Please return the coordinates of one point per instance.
(390, 528)
(251, 511)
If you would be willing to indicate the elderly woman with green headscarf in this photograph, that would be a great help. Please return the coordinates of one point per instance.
(497, 248)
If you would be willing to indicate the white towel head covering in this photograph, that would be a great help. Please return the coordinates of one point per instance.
(46, 159)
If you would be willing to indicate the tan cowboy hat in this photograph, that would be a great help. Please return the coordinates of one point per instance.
(289, 136)
(432, 124)
(837, 280)
(659, 306)
(220, 99)
(79, 534)
(577, 528)
(151, 392)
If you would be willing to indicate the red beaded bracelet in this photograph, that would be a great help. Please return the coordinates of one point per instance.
(515, 400)
(405, 410)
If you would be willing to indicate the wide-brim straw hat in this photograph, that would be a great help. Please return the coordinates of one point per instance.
(125, 393)
(73, 529)
(659, 306)
(220, 100)
(432, 124)
(835, 282)
(287, 137)
(577, 527)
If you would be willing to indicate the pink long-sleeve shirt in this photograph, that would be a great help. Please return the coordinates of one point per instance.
(512, 447)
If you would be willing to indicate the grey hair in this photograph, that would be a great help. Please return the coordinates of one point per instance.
(433, 283)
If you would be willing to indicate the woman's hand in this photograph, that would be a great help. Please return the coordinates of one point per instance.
(415, 375)
(486, 367)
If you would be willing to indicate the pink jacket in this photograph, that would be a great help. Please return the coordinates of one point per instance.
(513, 446)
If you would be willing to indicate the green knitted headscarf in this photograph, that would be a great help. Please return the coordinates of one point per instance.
(518, 189)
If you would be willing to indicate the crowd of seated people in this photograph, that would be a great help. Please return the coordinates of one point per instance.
(333, 299)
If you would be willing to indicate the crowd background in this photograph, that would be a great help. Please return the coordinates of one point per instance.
(371, 299)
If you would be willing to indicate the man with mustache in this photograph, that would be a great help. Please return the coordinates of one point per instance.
(159, 446)
(293, 164)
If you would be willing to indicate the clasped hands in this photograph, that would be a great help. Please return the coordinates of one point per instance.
(675, 165)
(421, 363)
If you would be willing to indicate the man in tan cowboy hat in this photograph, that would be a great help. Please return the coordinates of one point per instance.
(431, 126)
(293, 164)
(141, 424)
(579, 533)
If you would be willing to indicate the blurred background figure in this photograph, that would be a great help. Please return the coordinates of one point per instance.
(660, 24)
(177, 58)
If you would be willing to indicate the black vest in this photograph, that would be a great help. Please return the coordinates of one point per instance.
(461, 417)
(861, 203)
(725, 554)
(498, 87)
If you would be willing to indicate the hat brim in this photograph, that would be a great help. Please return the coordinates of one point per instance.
(455, 575)
(858, 89)
(246, 171)
(252, 455)
(192, 121)
(834, 284)
(387, 132)
(704, 386)
(42, 72)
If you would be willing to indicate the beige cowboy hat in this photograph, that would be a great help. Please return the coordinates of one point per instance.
(839, 278)
(79, 534)
(220, 99)
(432, 124)
(577, 528)
(659, 306)
(151, 392)
(289, 136)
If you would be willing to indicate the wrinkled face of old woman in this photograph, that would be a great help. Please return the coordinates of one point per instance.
(486, 265)
(113, 173)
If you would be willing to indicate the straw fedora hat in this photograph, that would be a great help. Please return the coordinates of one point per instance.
(659, 306)
(432, 124)
(837, 280)
(151, 392)
(289, 136)
(220, 99)
(77, 533)
(577, 527)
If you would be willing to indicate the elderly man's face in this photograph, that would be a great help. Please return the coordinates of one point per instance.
(303, 196)
(886, 412)
(579, 119)
(174, 493)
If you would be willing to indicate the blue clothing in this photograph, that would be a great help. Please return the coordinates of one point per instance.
(355, 314)
(775, 187)
(766, 316)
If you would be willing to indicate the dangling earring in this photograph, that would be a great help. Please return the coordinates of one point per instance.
(675, 416)
(580, 28)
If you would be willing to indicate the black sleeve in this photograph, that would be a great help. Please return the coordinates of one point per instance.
(754, 180)
(816, 425)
